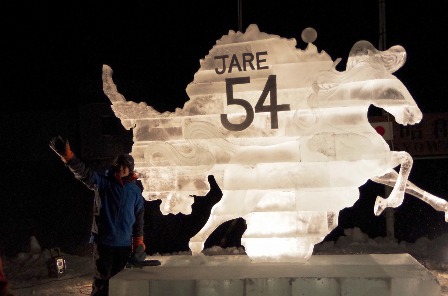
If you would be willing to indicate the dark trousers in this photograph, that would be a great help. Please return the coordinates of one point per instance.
(108, 262)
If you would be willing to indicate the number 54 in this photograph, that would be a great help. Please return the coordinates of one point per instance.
(269, 88)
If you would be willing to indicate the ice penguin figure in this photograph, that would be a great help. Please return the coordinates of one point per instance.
(284, 133)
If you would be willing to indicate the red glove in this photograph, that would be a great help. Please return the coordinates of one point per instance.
(138, 249)
(138, 241)
(68, 153)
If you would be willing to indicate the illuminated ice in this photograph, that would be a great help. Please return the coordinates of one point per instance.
(284, 133)
(323, 275)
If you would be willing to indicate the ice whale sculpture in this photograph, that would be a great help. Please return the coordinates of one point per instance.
(284, 133)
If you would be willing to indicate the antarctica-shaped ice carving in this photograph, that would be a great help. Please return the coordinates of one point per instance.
(284, 133)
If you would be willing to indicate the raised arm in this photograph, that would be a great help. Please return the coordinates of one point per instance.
(79, 169)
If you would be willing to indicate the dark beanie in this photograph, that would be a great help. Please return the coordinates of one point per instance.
(125, 160)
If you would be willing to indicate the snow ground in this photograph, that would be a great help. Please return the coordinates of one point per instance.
(28, 273)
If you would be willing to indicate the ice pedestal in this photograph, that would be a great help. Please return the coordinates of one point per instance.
(321, 275)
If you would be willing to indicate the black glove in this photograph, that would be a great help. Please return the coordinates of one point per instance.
(59, 145)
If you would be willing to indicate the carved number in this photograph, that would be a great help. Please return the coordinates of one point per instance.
(269, 88)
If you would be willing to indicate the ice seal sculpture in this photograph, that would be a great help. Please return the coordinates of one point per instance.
(285, 134)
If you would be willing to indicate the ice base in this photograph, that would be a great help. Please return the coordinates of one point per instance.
(321, 275)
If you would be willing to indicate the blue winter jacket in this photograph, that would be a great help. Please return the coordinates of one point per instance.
(120, 206)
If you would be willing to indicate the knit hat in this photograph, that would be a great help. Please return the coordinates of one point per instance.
(125, 160)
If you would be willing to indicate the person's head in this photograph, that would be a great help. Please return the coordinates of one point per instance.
(124, 165)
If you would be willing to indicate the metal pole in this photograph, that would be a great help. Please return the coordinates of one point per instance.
(388, 212)
(382, 44)
(382, 8)
(240, 15)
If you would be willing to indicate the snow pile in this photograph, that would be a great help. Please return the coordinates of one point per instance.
(29, 268)
(433, 254)
(215, 250)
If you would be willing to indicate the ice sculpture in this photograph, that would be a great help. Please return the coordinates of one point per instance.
(284, 133)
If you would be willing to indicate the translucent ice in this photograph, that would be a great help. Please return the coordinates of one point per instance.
(284, 133)
(324, 275)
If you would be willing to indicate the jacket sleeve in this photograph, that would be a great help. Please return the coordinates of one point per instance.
(139, 217)
(84, 173)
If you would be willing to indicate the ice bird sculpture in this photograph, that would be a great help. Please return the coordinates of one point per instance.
(284, 133)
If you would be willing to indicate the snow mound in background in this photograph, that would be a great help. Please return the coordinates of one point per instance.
(433, 254)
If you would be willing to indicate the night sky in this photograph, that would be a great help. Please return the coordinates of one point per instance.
(52, 54)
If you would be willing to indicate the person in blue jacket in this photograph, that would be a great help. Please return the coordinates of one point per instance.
(117, 229)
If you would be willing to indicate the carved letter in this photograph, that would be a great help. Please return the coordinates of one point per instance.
(261, 61)
(234, 62)
(223, 57)
(248, 57)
